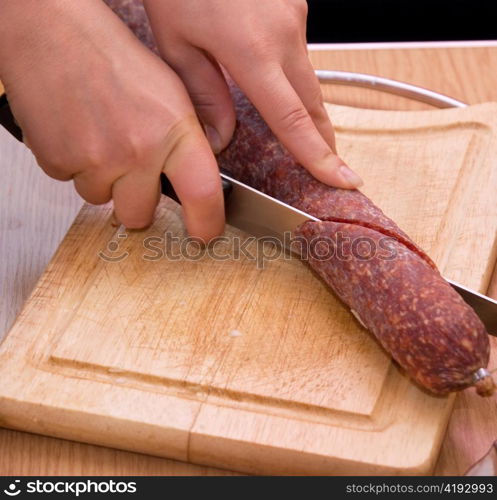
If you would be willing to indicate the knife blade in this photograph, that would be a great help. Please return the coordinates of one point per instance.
(485, 307)
(261, 215)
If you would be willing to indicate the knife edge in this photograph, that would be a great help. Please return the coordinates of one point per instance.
(484, 306)
(263, 216)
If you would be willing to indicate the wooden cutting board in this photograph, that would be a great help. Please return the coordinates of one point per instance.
(243, 366)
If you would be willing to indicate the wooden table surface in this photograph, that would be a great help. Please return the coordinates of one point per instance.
(35, 212)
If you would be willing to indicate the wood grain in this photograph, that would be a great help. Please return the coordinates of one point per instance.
(109, 337)
(454, 71)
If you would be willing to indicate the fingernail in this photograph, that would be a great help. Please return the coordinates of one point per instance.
(350, 176)
(214, 138)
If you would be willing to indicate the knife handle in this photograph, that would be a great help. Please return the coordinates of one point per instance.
(8, 121)
(167, 188)
(7, 118)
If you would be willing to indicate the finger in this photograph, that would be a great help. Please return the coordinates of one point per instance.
(193, 172)
(301, 76)
(135, 197)
(286, 115)
(92, 188)
(208, 91)
(59, 172)
(53, 171)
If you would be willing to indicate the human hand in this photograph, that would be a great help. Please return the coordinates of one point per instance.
(98, 107)
(263, 47)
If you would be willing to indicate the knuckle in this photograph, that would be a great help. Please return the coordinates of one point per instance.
(296, 118)
(135, 146)
(204, 100)
(292, 27)
(316, 108)
(93, 154)
(299, 8)
(56, 167)
(206, 191)
(179, 132)
(131, 148)
(259, 50)
(138, 146)
(93, 159)
(295, 19)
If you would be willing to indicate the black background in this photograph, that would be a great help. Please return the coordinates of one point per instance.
(401, 20)
(219, 487)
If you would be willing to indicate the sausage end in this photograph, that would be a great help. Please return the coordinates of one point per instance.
(485, 386)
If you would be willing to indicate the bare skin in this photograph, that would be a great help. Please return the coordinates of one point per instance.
(263, 47)
(97, 107)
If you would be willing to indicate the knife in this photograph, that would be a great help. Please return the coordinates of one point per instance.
(263, 216)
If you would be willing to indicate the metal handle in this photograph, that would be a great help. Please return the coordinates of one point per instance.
(387, 85)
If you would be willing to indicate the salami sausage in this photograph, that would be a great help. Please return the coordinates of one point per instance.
(391, 285)
(394, 288)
